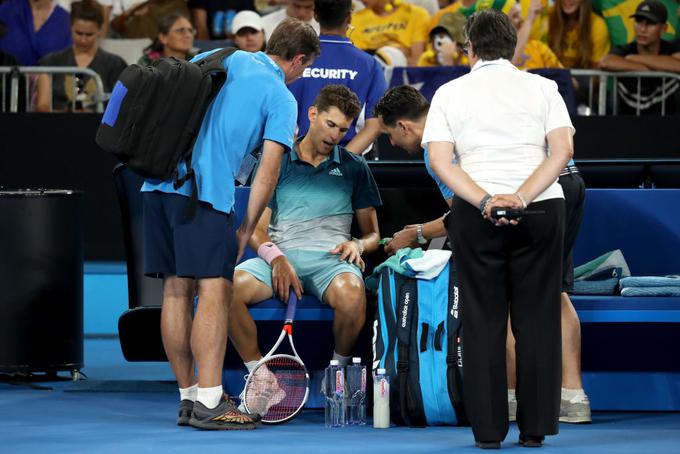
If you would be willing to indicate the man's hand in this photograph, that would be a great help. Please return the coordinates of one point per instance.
(407, 237)
(283, 278)
(502, 201)
(349, 251)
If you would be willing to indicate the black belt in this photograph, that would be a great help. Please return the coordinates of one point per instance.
(569, 170)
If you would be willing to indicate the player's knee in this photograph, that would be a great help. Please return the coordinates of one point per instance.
(351, 298)
(175, 287)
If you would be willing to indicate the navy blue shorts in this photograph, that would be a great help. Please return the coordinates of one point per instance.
(202, 247)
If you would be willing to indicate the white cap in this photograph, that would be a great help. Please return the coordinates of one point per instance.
(381, 371)
(356, 360)
(246, 19)
(335, 362)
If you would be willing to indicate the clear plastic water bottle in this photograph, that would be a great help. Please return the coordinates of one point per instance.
(381, 400)
(334, 391)
(356, 393)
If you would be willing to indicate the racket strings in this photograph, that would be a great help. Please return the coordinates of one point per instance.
(277, 389)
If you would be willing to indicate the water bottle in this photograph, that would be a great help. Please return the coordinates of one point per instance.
(381, 400)
(334, 391)
(356, 393)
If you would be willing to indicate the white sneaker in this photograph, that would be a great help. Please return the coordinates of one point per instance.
(576, 410)
(260, 401)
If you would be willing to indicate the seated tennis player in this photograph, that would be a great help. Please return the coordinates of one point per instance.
(303, 238)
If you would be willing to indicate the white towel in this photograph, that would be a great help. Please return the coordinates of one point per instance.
(429, 265)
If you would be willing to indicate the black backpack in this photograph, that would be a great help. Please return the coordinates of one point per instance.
(155, 113)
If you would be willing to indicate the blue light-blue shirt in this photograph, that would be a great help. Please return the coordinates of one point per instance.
(254, 105)
(341, 63)
(446, 192)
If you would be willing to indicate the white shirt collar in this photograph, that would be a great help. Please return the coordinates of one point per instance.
(500, 61)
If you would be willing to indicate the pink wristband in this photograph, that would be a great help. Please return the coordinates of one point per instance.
(268, 252)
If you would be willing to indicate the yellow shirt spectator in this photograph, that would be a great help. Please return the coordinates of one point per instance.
(404, 26)
(600, 36)
(467, 7)
(538, 55)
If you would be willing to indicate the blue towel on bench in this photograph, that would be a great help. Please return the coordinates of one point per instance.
(651, 281)
(602, 287)
(650, 291)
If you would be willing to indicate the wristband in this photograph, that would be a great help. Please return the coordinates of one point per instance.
(484, 202)
(268, 252)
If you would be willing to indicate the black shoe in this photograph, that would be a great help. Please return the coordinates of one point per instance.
(223, 417)
(186, 407)
(488, 444)
(531, 441)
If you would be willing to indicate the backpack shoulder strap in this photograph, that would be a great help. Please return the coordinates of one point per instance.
(213, 63)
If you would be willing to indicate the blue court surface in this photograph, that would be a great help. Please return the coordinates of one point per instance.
(87, 417)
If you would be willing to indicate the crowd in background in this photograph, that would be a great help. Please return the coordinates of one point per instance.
(575, 34)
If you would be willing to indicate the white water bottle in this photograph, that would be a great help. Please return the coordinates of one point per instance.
(334, 391)
(381, 400)
(356, 393)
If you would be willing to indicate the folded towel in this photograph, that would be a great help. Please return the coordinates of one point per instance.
(604, 287)
(395, 263)
(429, 265)
(651, 281)
(650, 291)
(610, 260)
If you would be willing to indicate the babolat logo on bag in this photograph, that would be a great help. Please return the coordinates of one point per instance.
(155, 112)
(417, 338)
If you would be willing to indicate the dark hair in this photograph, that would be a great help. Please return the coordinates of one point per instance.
(402, 102)
(293, 37)
(164, 27)
(331, 14)
(491, 34)
(87, 10)
(335, 95)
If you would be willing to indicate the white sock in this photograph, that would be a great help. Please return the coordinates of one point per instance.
(511, 395)
(343, 360)
(573, 395)
(210, 397)
(250, 365)
(188, 393)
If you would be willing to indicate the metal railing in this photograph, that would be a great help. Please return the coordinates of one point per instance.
(15, 73)
(603, 78)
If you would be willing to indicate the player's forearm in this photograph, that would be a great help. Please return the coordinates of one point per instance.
(613, 62)
(263, 185)
(370, 242)
(434, 229)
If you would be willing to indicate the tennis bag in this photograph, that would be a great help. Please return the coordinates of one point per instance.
(155, 113)
(417, 338)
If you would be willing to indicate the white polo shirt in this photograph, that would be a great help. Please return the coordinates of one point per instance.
(498, 117)
(272, 20)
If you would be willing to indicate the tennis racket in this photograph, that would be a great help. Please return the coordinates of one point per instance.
(278, 386)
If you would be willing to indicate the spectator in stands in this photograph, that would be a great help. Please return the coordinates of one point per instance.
(341, 63)
(500, 119)
(306, 229)
(214, 18)
(175, 39)
(648, 52)
(77, 92)
(248, 31)
(577, 35)
(106, 6)
(255, 109)
(530, 53)
(394, 23)
(34, 29)
(467, 7)
(300, 9)
(446, 43)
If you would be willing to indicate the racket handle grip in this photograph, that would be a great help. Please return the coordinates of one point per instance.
(292, 305)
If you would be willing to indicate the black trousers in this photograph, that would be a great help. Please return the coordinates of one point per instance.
(516, 269)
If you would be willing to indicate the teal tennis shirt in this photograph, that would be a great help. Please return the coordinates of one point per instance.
(312, 207)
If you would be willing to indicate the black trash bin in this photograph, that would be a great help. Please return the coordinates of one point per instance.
(41, 281)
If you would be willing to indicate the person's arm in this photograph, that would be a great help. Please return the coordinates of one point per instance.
(352, 250)
(364, 138)
(452, 174)
(283, 274)
(106, 12)
(408, 236)
(414, 53)
(200, 19)
(260, 191)
(657, 62)
(44, 103)
(613, 62)
(524, 31)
